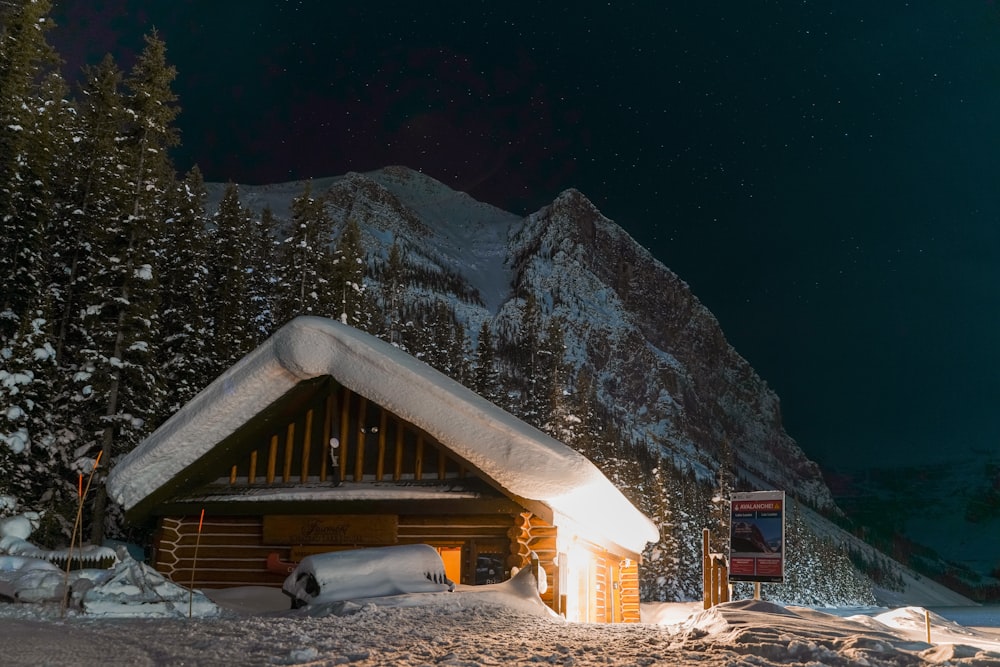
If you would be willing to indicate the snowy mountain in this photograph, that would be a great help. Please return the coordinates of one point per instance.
(685, 405)
(661, 361)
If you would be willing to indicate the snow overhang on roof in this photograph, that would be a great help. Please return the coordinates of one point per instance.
(516, 456)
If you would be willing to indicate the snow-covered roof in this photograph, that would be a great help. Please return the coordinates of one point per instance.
(517, 457)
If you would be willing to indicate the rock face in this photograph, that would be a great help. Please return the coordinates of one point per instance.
(665, 364)
(661, 361)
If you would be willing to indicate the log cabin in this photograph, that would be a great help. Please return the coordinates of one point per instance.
(327, 438)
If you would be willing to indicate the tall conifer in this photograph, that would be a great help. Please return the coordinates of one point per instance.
(123, 320)
(234, 329)
(25, 57)
(306, 267)
(186, 323)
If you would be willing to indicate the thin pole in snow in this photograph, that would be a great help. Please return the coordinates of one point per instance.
(194, 563)
(81, 493)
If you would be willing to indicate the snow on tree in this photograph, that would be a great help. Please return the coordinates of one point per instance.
(234, 248)
(186, 320)
(305, 265)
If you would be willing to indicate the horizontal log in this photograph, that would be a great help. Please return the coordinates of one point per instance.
(256, 565)
(456, 534)
(211, 541)
(482, 520)
(216, 550)
(190, 527)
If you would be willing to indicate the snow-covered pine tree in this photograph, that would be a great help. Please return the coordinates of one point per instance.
(35, 463)
(234, 246)
(525, 355)
(122, 316)
(557, 407)
(305, 265)
(353, 304)
(725, 485)
(260, 280)
(392, 287)
(93, 196)
(35, 129)
(25, 58)
(486, 378)
(458, 351)
(438, 327)
(186, 321)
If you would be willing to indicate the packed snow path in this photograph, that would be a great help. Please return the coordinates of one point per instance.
(458, 631)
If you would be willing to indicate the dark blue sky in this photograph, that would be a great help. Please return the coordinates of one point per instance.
(824, 175)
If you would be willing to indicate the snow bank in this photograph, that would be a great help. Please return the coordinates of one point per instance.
(134, 589)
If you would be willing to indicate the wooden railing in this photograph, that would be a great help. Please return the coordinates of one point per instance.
(345, 437)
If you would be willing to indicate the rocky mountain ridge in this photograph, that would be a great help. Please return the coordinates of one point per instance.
(662, 363)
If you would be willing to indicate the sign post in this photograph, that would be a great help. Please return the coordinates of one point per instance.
(757, 537)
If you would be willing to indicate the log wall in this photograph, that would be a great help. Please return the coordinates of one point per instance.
(231, 550)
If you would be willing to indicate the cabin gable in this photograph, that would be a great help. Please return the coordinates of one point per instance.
(329, 445)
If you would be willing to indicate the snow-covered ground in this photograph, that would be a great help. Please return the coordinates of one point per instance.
(137, 618)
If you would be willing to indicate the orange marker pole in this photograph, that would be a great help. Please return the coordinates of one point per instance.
(77, 528)
(194, 563)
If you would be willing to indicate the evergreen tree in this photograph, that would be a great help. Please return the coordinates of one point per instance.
(305, 266)
(95, 197)
(486, 380)
(33, 455)
(555, 410)
(533, 396)
(234, 248)
(122, 316)
(186, 325)
(261, 272)
(439, 325)
(725, 484)
(583, 431)
(25, 158)
(352, 303)
(458, 352)
(392, 293)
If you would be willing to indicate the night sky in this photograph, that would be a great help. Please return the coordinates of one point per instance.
(824, 175)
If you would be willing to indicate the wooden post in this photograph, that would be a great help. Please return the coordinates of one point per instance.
(716, 582)
(344, 442)
(724, 580)
(331, 405)
(706, 566)
(927, 620)
(359, 455)
(286, 473)
(252, 473)
(756, 590)
(306, 443)
(272, 459)
(380, 462)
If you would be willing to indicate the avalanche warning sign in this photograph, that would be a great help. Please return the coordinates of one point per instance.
(757, 536)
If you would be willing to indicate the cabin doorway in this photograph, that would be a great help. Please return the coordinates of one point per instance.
(452, 559)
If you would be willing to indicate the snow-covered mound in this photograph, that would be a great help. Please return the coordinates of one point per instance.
(132, 588)
(808, 636)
